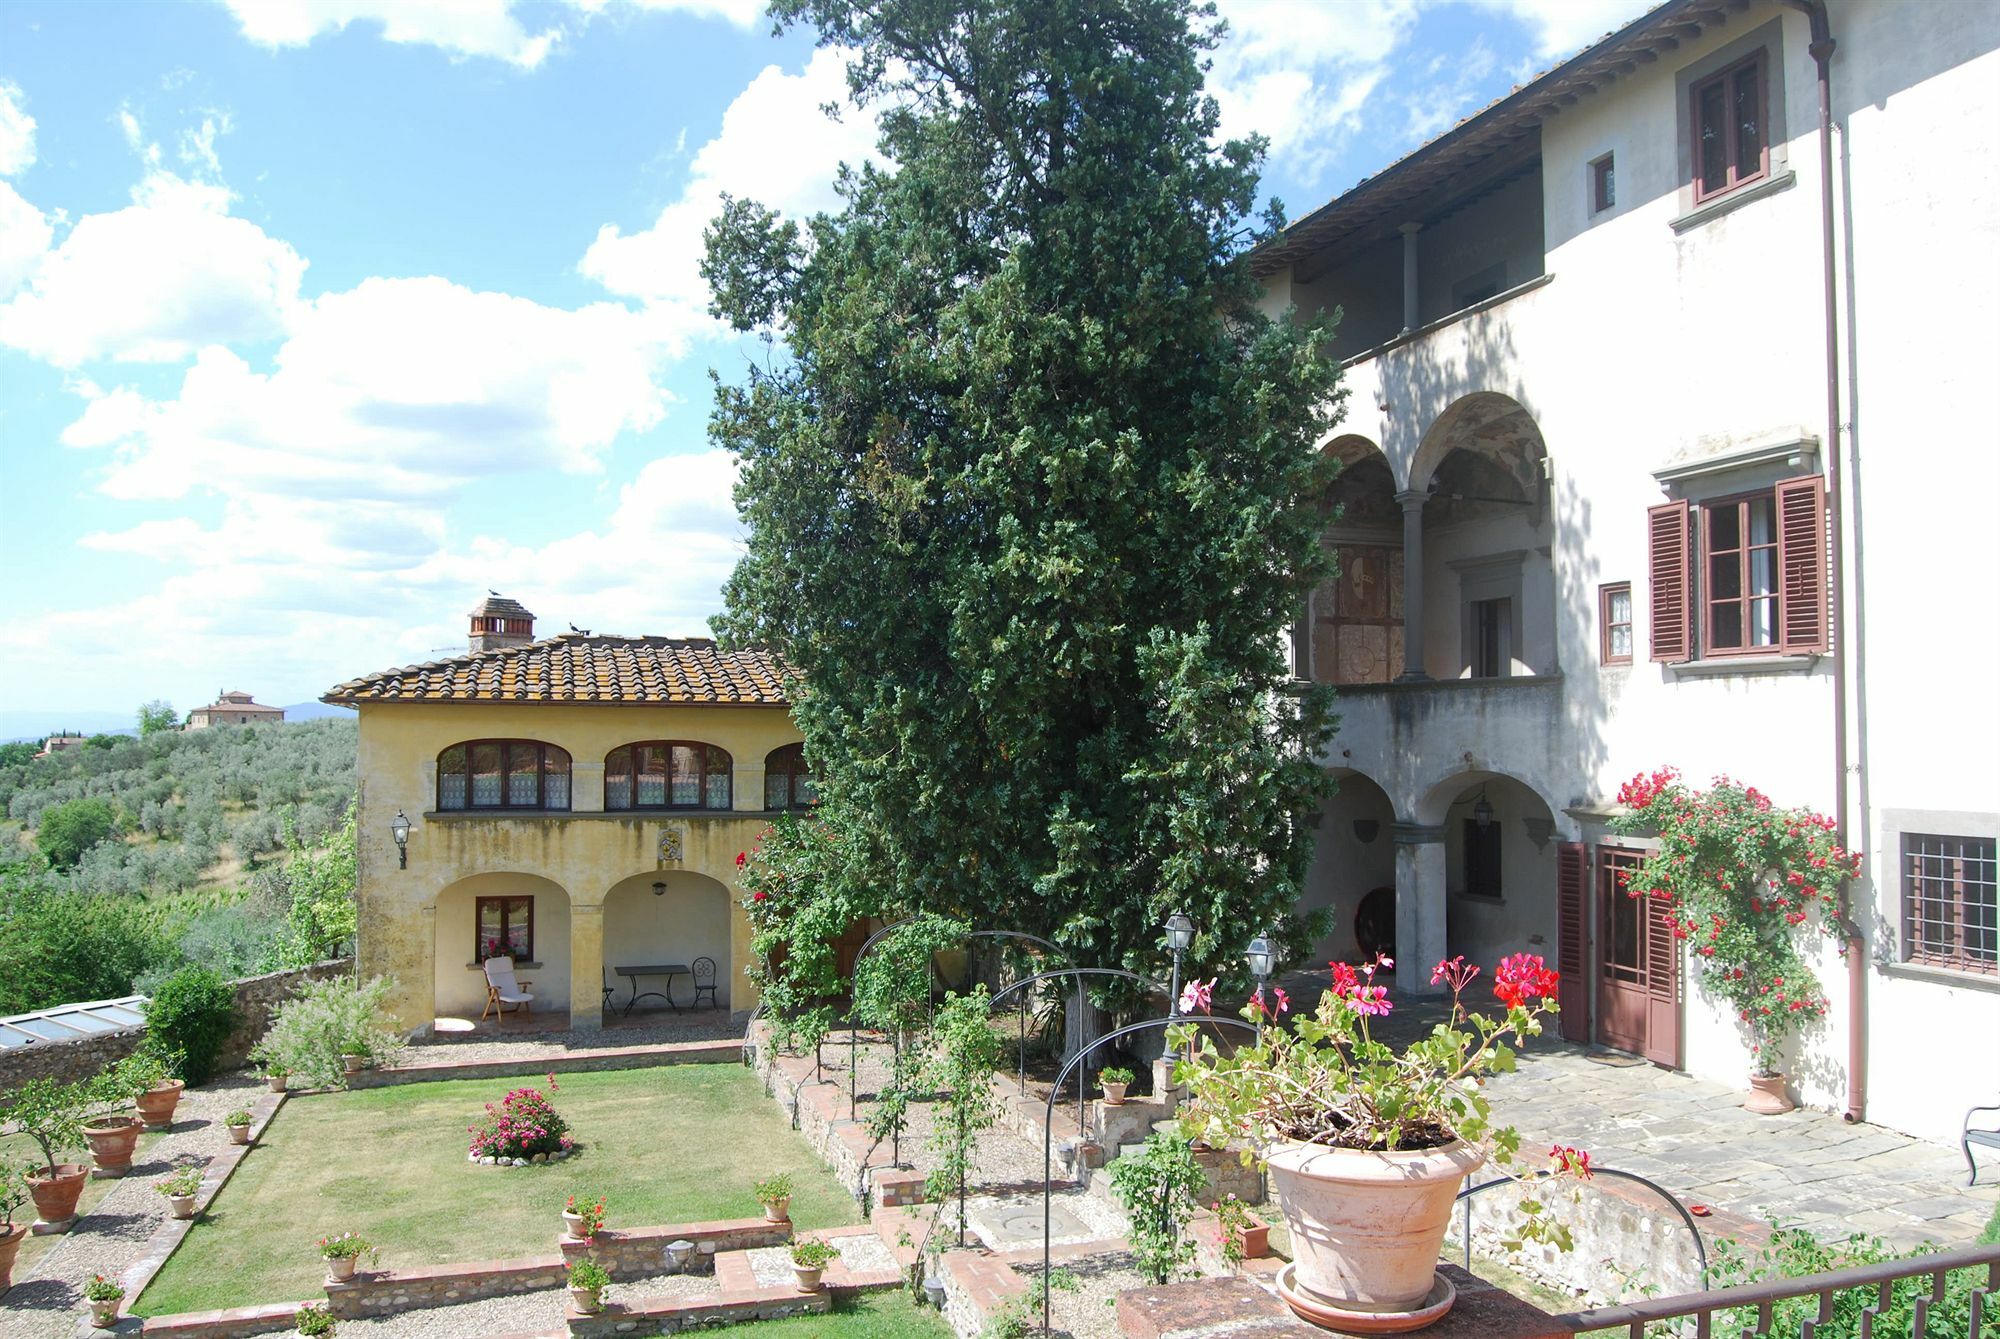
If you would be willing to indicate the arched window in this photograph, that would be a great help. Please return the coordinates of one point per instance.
(788, 782)
(667, 774)
(503, 774)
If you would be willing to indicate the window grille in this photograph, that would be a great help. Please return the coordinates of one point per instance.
(1951, 906)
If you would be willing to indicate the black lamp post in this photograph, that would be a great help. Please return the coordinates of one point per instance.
(399, 828)
(1261, 957)
(1180, 934)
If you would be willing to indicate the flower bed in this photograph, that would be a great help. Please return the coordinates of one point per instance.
(524, 1128)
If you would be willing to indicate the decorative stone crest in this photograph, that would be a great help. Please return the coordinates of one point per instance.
(673, 841)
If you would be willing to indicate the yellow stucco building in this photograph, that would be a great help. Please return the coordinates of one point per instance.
(578, 802)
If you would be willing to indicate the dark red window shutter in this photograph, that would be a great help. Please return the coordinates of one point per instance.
(1667, 567)
(1802, 563)
(1663, 986)
(1573, 994)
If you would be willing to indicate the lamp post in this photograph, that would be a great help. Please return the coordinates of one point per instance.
(399, 828)
(1261, 957)
(1180, 934)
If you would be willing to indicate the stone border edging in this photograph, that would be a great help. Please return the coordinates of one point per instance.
(592, 1060)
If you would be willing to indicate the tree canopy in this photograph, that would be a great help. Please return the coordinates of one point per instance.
(1032, 486)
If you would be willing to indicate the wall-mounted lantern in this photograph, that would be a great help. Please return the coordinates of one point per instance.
(399, 828)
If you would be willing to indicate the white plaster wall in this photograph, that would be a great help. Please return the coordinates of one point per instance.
(689, 920)
(460, 981)
(1649, 345)
(1344, 868)
(1524, 919)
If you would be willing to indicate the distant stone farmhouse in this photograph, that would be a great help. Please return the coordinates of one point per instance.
(233, 708)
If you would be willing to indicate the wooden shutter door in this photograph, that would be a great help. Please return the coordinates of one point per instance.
(1663, 986)
(1802, 564)
(1669, 582)
(1572, 902)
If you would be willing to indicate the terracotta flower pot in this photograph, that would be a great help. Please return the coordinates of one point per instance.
(112, 1140)
(778, 1210)
(182, 1206)
(1367, 1226)
(1767, 1096)
(586, 1300)
(10, 1246)
(1114, 1094)
(103, 1314)
(354, 1064)
(1256, 1240)
(808, 1277)
(56, 1196)
(277, 1082)
(572, 1224)
(239, 1134)
(156, 1107)
(340, 1269)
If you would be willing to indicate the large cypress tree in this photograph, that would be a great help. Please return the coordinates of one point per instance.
(1032, 488)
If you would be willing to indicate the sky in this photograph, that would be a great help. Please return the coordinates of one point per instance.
(321, 318)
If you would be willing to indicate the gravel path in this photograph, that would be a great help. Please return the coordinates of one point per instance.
(642, 1029)
(860, 1254)
(1087, 1311)
(44, 1301)
(527, 1313)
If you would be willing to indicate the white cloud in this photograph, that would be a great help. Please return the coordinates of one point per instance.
(776, 147)
(17, 132)
(154, 281)
(24, 238)
(1298, 71)
(1564, 27)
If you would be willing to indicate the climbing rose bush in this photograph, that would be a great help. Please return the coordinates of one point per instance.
(1745, 882)
(525, 1122)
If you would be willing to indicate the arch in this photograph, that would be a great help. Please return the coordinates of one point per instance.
(788, 779)
(1499, 865)
(503, 774)
(1485, 423)
(663, 774)
(667, 916)
(1354, 623)
(1354, 853)
(458, 980)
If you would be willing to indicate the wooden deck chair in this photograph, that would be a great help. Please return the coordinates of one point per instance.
(503, 990)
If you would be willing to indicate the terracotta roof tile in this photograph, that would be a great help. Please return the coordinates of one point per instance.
(580, 667)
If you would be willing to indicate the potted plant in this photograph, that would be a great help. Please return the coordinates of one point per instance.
(52, 1114)
(113, 1137)
(342, 1253)
(809, 1260)
(1366, 1148)
(1114, 1079)
(313, 1320)
(1742, 880)
(587, 1282)
(103, 1295)
(276, 1076)
(147, 1077)
(775, 1194)
(237, 1123)
(583, 1216)
(1243, 1235)
(13, 1194)
(182, 1187)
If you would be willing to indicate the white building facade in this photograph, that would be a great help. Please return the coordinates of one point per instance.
(1596, 518)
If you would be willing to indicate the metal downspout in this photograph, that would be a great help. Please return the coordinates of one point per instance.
(1821, 49)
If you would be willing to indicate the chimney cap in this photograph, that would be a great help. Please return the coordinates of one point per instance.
(499, 606)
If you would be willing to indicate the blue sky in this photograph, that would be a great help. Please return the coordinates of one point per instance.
(318, 318)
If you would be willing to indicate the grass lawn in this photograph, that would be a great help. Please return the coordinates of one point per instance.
(888, 1315)
(18, 1150)
(671, 1145)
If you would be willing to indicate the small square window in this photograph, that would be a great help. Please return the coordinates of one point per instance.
(1603, 185)
(1614, 618)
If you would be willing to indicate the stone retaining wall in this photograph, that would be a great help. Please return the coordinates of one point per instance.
(641, 1251)
(727, 1050)
(389, 1291)
(86, 1057)
(663, 1316)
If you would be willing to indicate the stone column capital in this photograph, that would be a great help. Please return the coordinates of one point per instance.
(1416, 834)
(1413, 499)
(1409, 229)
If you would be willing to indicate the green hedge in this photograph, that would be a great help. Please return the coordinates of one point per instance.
(189, 1018)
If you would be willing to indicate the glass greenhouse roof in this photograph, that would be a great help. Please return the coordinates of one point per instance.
(68, 1022)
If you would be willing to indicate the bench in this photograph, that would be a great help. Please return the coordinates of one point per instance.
(1973, 1134)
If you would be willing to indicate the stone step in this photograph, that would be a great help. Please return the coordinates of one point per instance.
(670, 1315)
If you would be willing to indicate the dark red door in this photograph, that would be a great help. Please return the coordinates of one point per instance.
(1638, 979)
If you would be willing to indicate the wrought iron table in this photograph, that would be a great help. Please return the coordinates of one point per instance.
(669, 970)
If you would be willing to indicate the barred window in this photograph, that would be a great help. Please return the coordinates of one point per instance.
(1951, 908)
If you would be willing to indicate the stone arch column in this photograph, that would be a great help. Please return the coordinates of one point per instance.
(586, 966)
(1420, 905)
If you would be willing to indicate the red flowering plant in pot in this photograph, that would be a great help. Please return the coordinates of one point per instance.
(1746, 883)
(1366, 1148)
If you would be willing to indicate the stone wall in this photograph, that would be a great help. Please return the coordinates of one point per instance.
(256, 998)
(390, 1291)
(642, 1251)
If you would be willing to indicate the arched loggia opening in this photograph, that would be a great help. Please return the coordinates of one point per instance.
(522, 916)
(1499, 867)
(1353, 867)
(1353, 626)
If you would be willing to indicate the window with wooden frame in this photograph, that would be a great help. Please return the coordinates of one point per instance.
(1728, 129)
(1740, 575)
(788, 780)
(503, 927)
(1603, 184)
(503, 774)
(667, 774)
(1951, 903)
(1482, 859)
(1614, 623)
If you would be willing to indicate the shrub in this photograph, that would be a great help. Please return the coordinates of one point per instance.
(1158, 1185)
(57, 947)
(51, 1114)
(67, 830)
(1794, 1253)
(13, 1193)
(191, 1014)
(525, 1123)
(325, 1020)
(314, 1319)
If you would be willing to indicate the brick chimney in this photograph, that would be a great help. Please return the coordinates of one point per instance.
(498, 623)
